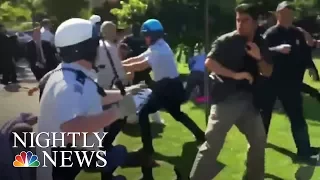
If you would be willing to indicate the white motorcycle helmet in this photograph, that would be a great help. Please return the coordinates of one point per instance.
(77, 39)
(95, 19)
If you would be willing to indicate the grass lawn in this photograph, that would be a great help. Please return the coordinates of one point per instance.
(175, 146)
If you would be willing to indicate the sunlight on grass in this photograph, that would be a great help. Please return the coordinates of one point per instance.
(176, 141)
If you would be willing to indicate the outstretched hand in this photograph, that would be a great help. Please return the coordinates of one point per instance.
(135, 89)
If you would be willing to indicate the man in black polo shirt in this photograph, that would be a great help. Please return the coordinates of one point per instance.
(313, 71)
(290, 47)
(232, 94)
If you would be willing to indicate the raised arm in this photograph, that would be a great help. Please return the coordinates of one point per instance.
(71, 117)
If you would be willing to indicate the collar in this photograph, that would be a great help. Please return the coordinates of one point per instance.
(45, 29)
(158, 42)
(76, 66)
(283, 28)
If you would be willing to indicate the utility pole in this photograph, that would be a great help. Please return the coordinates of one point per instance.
(207, 48)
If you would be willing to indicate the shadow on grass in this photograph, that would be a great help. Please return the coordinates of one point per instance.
(271, 176)
(310, 106)
(183, 163)
(304, 172)
(134, 130)
(282, 150)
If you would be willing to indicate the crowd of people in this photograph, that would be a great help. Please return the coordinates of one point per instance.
(101, 76)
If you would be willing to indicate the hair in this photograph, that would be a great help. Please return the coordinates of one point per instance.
(250, 9)
(108, 30)
(45, 22)
(136, 27)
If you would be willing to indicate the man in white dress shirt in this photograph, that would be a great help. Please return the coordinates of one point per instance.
(106, 75)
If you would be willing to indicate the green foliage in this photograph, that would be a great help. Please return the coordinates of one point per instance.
(85, 13)
(184, 20)
(14, 13)
(129, 12)
(65, 9)
(23, 26)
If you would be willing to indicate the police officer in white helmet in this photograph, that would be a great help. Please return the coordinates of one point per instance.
(70, 100)
(167, 91)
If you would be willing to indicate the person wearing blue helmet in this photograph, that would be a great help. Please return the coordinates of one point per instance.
(167, 92)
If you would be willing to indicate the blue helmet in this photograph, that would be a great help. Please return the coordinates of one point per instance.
(152, 28)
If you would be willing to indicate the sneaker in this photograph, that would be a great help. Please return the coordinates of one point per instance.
(161, 121)
(156, 118)
(311, 158)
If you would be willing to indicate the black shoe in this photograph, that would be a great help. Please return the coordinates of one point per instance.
(310, 159)
(314, 151)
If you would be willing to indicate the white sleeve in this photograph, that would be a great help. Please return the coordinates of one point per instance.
(68, 102)
(149, 55)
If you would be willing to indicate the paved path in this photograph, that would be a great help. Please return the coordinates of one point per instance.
(14, 98)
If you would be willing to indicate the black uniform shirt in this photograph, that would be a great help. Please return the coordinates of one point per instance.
(136, 44)
(287, 67)
(229, 51)
(5, 47)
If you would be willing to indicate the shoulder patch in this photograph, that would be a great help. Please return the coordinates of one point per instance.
(78, 88)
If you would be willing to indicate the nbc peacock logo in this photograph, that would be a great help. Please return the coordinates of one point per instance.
(26, 159)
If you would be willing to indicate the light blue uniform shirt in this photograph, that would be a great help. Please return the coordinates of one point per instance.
(196, 63)
(162, 60)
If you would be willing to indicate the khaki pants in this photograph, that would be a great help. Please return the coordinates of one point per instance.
(235, 110)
